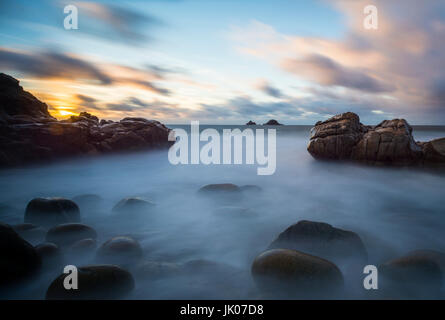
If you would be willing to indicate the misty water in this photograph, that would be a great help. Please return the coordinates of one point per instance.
(394, 210)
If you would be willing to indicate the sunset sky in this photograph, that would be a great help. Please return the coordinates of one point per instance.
(230, 61)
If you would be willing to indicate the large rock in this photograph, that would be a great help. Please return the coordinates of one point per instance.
(18, 258)
(95, 282)
(283, 272)
(69, 233)
(323, 240)
(51, 211)
(50, 254)
(343, 137)
(418, 274)
(28, 133)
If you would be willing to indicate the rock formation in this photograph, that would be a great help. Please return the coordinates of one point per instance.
(272, 123)
(343, 137)
(28, 133)
(251, 123)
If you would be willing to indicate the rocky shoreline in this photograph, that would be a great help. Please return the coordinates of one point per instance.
(391, 142)
(29, 134)
(309, 259)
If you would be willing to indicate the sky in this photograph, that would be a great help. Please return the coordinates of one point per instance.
(231, 61)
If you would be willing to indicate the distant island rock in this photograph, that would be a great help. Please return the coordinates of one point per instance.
(28, 132)
(343, 137)
(272, 123)
(251, 123)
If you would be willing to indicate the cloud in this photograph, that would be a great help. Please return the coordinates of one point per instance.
(51, 65)
(399, 66)
(114, 22)
(326, 71)
(57, 65)
(268, 89)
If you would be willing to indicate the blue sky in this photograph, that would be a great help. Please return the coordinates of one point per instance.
(229, 61)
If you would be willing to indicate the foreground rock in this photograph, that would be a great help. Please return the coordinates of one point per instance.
(69, 233)
(51, 211)
(282, 272)
(28, 133)
(323, 240)
(94, 283)
(418, 274)
(18, 258)
(343, 137)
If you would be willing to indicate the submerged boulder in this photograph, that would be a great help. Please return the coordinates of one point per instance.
(133, 206)
(282, 272)
(418, 274)
(68, 233)
(343, 137)
(120, 250)
(18, 258)
(50, 254)
(95, 282)
(323, 240)
(51, 211)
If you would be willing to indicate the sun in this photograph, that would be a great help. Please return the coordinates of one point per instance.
(65, 113)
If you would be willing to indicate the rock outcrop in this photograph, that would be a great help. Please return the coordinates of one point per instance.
(343, 137)
(251, 123)
(28, 132)
(272, 122)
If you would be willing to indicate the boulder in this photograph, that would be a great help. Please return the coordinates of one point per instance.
(417, 275)
(133, 206)
(221, 187)
(272, 123)
(323, 240)
(120, 251)
(223, 192)
(51, 211)
(18, 259)
(95, 282)
(50, 254)
(68, 233)
(286, 272)
(83, 246)
(343, 137)
(30, 232)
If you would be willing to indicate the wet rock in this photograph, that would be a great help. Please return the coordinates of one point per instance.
(94, 283)
(51, 211)
(416, 275)
(272, 122)
(30, 232)
(223, 192)
(323, 240)
(343, 137)
(84, 246)
(18, 259)
(154, 270)
(120, 250)
(50, 254)
(283, 272)
(221, 187)
(68, 233)
(133, 206)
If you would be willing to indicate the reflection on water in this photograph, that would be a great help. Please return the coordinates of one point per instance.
(394, 210)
